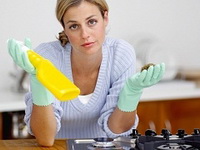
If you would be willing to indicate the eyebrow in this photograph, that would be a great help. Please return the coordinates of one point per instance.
(73, 21)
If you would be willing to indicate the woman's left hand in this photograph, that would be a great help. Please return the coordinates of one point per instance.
(132, 91)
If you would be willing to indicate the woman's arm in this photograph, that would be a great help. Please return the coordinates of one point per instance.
(41, 117)
(43, 124)
(120, 121)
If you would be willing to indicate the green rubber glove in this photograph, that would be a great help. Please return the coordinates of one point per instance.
(133, 88)
(18, 51)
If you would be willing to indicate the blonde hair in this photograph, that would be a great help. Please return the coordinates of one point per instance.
(63, 5)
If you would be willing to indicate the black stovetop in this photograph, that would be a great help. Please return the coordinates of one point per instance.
(149, 141)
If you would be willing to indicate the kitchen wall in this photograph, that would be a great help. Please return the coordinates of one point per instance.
(167, 30)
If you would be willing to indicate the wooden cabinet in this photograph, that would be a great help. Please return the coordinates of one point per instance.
(169, 114)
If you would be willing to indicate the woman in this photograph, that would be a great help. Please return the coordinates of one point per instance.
(100, 66)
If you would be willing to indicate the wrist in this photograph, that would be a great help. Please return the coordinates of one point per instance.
(41, 96)
(129, 98)
(128, 103)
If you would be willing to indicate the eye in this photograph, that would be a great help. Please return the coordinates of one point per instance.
(73, 27)
(92, 22)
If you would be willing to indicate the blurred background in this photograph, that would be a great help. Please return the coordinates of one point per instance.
(159, 30)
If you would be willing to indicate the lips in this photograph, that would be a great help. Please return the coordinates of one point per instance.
(88, 44)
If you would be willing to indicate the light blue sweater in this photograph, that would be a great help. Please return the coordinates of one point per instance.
(78, 120)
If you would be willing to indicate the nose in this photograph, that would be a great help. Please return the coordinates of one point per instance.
(84, 32)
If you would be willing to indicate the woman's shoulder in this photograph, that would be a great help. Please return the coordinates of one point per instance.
(119, 47)
(51, 49)
(121, 54)
(111, 41)
(48, 46)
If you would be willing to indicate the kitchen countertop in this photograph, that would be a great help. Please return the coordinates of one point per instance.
(171, 90)
(31, 144)
(168, 90)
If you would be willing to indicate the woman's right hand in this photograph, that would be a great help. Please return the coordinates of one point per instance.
(18, 52)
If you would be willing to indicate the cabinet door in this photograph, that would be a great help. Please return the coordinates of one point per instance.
(184, 114)
(169, 114)
(151, 116)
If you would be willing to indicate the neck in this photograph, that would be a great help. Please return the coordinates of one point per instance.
(86, 65)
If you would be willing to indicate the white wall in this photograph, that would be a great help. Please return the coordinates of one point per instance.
(167, 25)
(24, 18)
(164, 25)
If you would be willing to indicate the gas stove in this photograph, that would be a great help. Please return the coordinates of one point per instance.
(135, 141)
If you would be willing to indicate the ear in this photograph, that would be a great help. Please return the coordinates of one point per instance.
(106, 20)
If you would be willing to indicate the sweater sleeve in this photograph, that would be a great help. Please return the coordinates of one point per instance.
(123, 66)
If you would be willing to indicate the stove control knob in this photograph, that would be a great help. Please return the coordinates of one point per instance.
(196, 131)
(181, 133)
(150, 132)
(134, 133)
(166, 133)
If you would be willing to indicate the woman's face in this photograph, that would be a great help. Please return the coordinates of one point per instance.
(85, 28)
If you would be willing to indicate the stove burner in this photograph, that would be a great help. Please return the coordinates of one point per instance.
(175, 146)
(166, 141)
(104, 144)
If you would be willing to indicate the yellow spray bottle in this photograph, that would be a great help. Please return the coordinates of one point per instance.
(56, 82)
